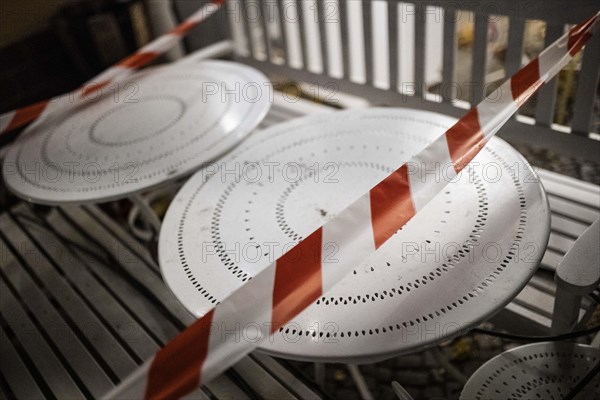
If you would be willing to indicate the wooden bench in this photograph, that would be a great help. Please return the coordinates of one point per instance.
(83, 304)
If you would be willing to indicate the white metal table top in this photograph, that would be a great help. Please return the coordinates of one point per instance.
(455, 264)
(535, 371)
(160, 125)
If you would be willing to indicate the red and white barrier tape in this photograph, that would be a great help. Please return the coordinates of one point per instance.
(301, 276)
(17, 118)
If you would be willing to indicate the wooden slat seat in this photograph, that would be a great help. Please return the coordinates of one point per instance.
(83, 305)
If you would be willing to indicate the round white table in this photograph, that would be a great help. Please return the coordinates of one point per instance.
(161, 124)
(459, 261)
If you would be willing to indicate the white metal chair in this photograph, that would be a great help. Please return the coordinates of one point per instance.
(537, 371)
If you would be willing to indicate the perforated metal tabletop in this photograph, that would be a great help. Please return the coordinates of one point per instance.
(459, 261)
(158, 126)
(535, 371)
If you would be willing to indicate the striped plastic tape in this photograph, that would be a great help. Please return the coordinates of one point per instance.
(299, 277)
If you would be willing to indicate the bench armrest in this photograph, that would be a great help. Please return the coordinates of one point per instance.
(579, 270)
(576, 275)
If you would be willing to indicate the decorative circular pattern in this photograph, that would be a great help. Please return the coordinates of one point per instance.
(162, 124)
(461, 259)
(536, 371)
(120, 125)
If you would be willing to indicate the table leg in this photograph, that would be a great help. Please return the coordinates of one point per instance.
(320, 374)
(441, 358)
(147, 212)
(360, 382)
(401, 392)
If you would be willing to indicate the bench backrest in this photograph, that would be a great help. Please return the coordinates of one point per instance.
(331, 46)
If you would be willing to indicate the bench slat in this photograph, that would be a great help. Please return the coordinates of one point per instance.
(565, 226)
(303, 36)
(264, 384)
(324, 40)
(546, 98)
(129, 261)
(78, 271)
(81, 316)
(283, 27)
(392, 14)
(224, 389)
(123, 290)
(544, 281)
(284, 375)
(51, 369)
(571, 189)
(559, 242)
(585, 98)
(449, 56)
(18, 378)
(479, 57)
(572, 210)
(367, 25)
(533, 316)
(197, 394)
(551, 259)
(419, 50)
(266, 38)
(250, 39)
(58, 330)
(118, 232)
(345, 39)
(123, 323)
(536, 301)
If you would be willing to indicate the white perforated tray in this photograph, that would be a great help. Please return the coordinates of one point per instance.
(160, 125)
(456, 263)
(536, 371)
